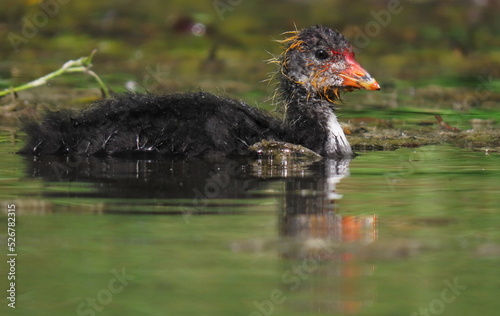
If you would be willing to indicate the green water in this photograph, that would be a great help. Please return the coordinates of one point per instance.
(411, 232)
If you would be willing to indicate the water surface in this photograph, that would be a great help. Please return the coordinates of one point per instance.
(388, 233)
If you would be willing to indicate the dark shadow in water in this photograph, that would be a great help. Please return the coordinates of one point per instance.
(316, 240)
(189, 179)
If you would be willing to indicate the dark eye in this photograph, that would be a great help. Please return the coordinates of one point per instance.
(321, 54)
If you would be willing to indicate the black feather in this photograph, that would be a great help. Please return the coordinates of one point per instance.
(190, 124)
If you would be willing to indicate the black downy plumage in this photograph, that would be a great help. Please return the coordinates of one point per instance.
(316, 65)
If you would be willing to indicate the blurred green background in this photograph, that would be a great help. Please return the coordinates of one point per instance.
(222, 45)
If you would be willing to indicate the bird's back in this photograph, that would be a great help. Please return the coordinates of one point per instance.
(189, 124)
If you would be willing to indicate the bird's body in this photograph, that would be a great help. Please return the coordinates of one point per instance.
(144, 123)
(317, 63)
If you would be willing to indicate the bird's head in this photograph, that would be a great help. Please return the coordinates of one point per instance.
(321, 61)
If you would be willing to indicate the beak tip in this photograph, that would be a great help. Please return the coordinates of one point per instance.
(357, 77)
(370, 85)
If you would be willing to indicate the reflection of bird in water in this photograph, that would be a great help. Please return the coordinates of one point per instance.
(317, 64)
(310, 209)
(322, 246)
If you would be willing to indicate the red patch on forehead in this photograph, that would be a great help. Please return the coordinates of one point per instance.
(346, 53)
(349, 55)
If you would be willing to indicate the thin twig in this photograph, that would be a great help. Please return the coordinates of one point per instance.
(82, 64)
(445, 125)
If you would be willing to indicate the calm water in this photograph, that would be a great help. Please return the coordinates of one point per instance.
(407, 232)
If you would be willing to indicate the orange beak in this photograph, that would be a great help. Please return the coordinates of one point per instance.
(357, 77)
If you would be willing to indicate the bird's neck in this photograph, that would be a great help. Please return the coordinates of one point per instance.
(313, 123)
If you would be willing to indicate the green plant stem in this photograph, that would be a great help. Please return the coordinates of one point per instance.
(82, 64)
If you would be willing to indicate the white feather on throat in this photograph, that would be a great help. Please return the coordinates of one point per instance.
(337, 142)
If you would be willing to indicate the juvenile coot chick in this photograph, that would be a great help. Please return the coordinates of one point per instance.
(317, 64)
